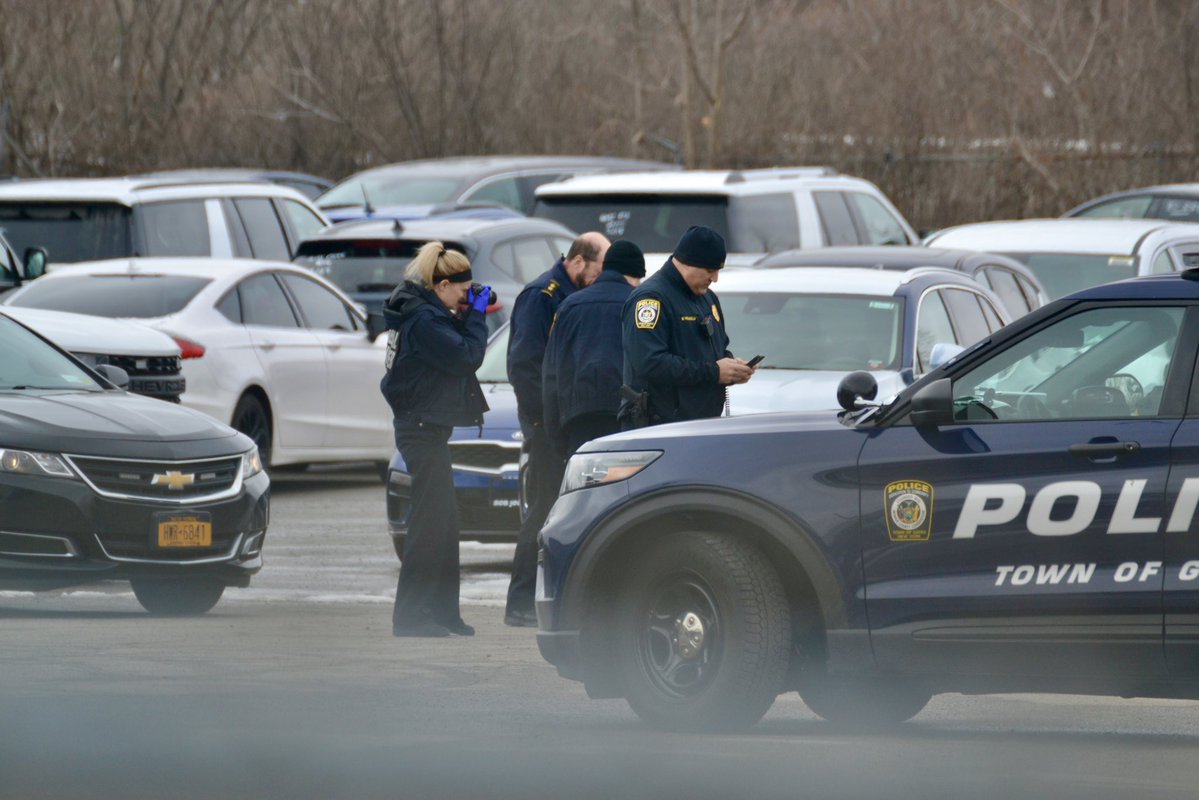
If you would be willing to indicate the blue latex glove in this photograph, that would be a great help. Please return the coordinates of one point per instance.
(478, 301)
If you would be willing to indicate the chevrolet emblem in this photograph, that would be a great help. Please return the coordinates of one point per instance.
(173, 479)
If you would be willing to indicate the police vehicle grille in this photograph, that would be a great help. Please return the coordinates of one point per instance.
(137, 477)
(483, 455)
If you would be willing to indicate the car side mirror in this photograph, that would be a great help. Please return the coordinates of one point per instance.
(35, 260)
(854, 388)
(942, 353)
(114, 375)
(932, 405)
(376, 325)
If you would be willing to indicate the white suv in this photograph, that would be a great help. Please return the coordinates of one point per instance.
(757, 211)
(88, 219)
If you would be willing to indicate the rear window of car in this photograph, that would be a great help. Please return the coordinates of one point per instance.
(382, 191)
(654, 221)
(141, 296)
(1062, 274)
(69, 231)
(364, 265)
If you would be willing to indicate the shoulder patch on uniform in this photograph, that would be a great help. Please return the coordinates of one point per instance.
(647, 312)
(716, 312)
(551, 289)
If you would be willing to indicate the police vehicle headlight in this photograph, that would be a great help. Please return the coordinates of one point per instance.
(594, 469)
(22, 462)
(251, 464)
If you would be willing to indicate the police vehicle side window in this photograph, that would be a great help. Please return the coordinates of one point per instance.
(932, 327)
(1103, 363)
(264, 228)
(763, 223)
(263, 303)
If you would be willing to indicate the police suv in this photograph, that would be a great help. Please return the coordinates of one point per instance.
(1020, 519)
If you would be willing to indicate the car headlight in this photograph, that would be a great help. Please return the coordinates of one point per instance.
(595, 469)
(251, 464)
(23, 462)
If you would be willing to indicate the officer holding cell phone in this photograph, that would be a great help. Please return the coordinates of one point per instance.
(677, 362)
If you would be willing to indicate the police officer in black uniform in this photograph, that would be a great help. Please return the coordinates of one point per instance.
(584, 359)
(676, 352)
(528, 332)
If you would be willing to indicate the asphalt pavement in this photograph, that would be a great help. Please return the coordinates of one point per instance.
(294, 688)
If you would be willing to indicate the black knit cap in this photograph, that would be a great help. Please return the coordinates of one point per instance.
(626, 258)
(702, 247)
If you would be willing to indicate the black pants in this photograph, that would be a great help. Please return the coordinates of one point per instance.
(543, 478)
(586, 427)
(428, 587)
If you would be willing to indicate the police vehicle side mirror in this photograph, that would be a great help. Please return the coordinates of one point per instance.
(376, 326)
(114, 375)
(854, 388)
(932, 405)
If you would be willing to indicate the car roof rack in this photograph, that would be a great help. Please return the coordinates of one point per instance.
(779, 173)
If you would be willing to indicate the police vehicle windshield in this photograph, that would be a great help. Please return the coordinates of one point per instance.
(816, 331)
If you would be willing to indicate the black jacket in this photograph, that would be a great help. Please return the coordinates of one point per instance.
(432, 356)
(528, 332)
(672, 341)
(584, 359)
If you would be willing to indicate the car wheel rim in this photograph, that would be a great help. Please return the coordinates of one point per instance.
(678, 646)
(253, 424)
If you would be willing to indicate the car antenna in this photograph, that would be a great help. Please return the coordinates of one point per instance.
(367, 208)
(397, 227)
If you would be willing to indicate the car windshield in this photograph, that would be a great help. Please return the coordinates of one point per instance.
(69, 231)
(494, 368)
(1062, 273)
(123, 295)
(816, 331)
(364, 265)
(30, 363)
(385, 191)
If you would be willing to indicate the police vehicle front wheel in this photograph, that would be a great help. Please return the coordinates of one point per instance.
(704, 633)
(862, 701)
(177, 598)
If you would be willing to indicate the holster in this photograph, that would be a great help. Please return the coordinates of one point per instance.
(638, 405)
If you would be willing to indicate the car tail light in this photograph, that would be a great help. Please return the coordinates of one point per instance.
(190, 349)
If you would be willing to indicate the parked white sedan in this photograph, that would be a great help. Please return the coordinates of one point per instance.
(269, 348)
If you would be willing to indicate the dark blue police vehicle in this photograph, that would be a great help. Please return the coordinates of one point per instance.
(1020, 519)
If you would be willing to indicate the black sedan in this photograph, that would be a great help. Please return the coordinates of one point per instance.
(99, 484)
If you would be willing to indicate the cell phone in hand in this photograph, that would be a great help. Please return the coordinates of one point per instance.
(753, 362)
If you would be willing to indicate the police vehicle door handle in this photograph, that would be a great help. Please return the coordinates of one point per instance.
(1105, 450)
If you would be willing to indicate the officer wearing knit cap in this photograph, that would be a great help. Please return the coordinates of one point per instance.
(677, 361)
(582, 371)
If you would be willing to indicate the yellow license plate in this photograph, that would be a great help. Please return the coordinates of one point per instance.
(184, 532)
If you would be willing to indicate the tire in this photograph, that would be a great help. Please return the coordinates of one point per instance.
(251, 418)
(187, 597)
(703, 634)
(863, 701)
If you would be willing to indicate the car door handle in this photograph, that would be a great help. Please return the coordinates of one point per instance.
(266, 344)
(1105, 450)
